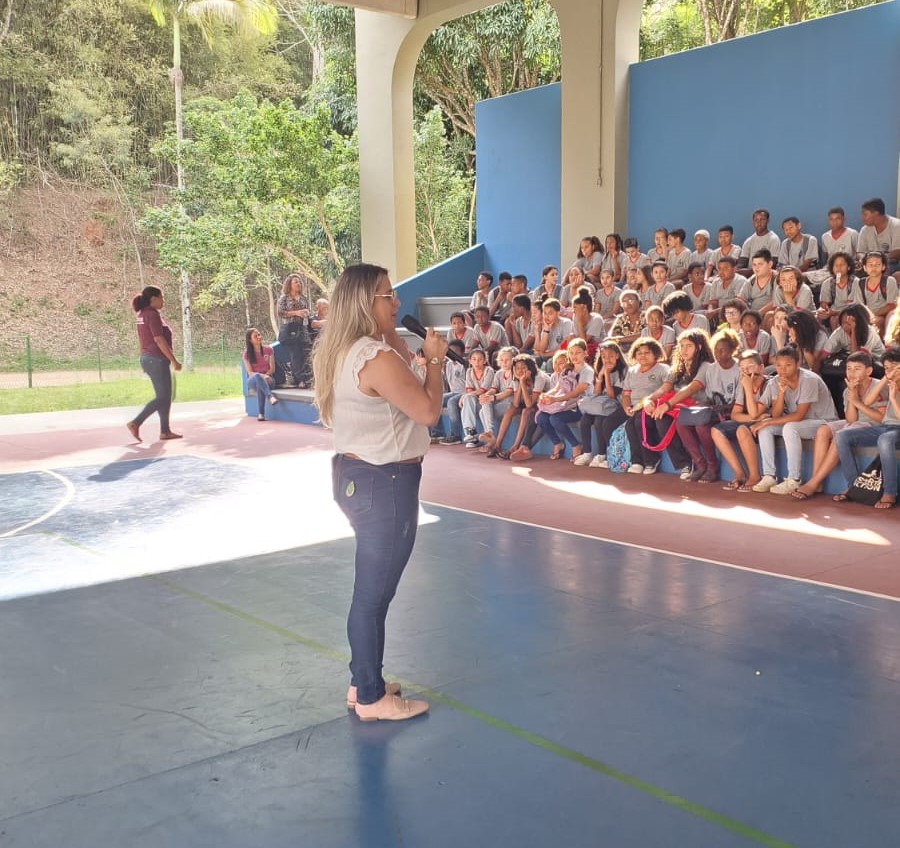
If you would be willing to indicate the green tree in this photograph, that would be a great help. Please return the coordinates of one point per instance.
(268, 189)
(251, 16)
(442, 194)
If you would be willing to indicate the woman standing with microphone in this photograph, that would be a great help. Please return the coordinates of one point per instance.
(155, 337)
(380, 413)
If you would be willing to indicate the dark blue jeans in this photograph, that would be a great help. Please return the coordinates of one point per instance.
(382, 505)
(158, 371)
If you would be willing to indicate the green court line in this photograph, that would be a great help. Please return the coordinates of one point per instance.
(598, 766)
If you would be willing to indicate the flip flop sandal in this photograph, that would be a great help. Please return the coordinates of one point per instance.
(734, 485)
(840, 498)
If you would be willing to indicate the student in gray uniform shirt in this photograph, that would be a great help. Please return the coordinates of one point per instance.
(839, 290)
(798, 248)
(799, 403)
(759, 290)
(762, 239)
(790, 290)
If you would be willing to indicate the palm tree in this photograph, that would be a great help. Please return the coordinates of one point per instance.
(251, 16)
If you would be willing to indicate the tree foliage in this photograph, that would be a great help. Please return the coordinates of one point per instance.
(268, 188)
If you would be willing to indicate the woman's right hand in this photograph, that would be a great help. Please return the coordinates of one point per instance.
(434, 345)
(176, 364)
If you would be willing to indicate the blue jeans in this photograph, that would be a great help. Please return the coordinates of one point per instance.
(161, 377)
(885, 436)
(556, 425)
(454, 413)
(382, 504)
(259, 384)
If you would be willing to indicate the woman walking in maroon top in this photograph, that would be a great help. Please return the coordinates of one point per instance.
(155, 337)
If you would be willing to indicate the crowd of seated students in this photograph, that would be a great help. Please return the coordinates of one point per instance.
(709, 352)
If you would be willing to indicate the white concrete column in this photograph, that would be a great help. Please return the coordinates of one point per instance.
(385, 117)
(598, 40)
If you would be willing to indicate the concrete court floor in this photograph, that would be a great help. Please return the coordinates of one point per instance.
(583, 692)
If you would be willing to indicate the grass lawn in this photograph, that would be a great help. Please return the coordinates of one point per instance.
(135, 392)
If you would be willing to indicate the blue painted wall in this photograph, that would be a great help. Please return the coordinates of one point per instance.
(795, 120)
(517, 150)
(453, 277)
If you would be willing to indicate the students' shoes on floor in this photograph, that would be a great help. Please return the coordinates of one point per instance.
(165, 437)
(520, 454)
(389, 689)
(785, 487)
(650, 469)
(767, 483)
(391, 708)
(583, 459)
(685, 473)
(636, 468)
(471, 439)
(599, 461)
(697, 473)
(452, 439)
(710, 475)
(260, 417)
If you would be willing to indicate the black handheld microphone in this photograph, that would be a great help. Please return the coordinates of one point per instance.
(412, 324)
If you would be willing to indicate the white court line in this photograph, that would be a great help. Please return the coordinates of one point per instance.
(66, 498)
(670, 552)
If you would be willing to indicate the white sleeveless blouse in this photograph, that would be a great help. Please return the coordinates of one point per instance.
(370, 427)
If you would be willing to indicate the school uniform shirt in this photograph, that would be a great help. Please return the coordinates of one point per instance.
(455, 375)
(561, 330)
(654, 255)
(480, 298)
(642, 261)
(702, 377)
(503, 382)
(468, 338)
(765, 344)
(538, 293)
(881, 402)
(810, 389)
(605, 303)
(595, 329)
(846, 242)
(586, 375)
(721, 292)
(754, 296)
(678, 262)
(493, 334)
(740, 400)
(839, 340)
(721, 384)
(839, 296)
(768, 241)
(802, 300)
(796, 253)
(875, 300)
(698, 322)
(885, 241)
(699, 301)
(667, 336)
(487, 379)
(502, 311)
(655, 296)
(566, 298)
(594, 262)
(523, 327)
(644, 384)
(734, 251)
(607, 263)
(703, 258)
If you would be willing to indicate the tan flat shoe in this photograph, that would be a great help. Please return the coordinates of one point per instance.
(391, 708)
(389, 689)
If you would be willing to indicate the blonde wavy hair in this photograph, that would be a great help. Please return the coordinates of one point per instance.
(349, 319)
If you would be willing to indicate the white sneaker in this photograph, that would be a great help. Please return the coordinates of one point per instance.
(785, 487)
(582, 459)
(768, 482)
(273, 400)
(651, 469)
(473, 445)
(685, 473)
(599, 461)
(636, 469)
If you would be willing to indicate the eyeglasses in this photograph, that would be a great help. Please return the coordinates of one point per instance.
(389, 294)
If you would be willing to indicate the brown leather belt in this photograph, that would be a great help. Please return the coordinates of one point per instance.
(416, 460)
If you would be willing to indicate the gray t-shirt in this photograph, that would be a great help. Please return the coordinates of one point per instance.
(644, 384)
(875, 300)
(589, 263)
(595, 329)
(468, 338)
(839, 340)
(455, 375)
(802, 300)
(494, 334)
(655, 297)
(768, 241)
(720, 292)
(626, 264)
(559, 332)
(885, 241)
(734, 252)
(586, 375)
(678, 262)
(703, 258)
(796, 253)
(810, 389)
(701, 300)
(702, 376)
(722, 383)
(839, 297)
(881, 402)
(739, 392)
(756, 297)
(845, 242)
(698, 322)
(605, 303)
(486, 381)
(765, 345)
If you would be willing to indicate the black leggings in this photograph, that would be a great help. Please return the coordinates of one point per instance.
(161, 377)
(603, 426)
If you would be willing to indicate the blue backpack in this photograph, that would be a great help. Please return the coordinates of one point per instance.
(618, 451)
